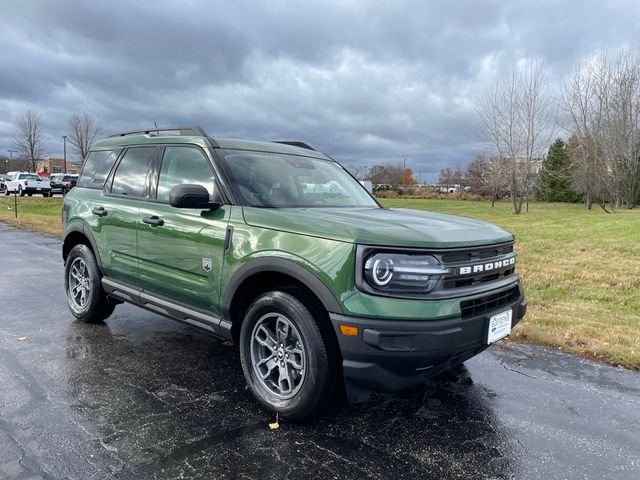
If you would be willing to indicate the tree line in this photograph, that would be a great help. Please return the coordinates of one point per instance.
(598, 108)
(29, 136)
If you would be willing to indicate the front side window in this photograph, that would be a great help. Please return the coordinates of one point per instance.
(280, 180)
(181, 165)
(131, 174)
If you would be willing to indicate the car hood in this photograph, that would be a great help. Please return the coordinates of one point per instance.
(379, 226)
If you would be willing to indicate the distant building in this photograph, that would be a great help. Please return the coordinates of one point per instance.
(52, 165)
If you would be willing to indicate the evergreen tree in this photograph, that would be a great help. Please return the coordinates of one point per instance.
(554, 181)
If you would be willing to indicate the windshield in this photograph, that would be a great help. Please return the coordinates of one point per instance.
(280, 180)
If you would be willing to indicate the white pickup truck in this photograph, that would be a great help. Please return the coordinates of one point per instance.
(24, 183)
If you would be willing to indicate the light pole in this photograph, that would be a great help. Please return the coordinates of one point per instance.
(404, 171)
(10, 162)
(365, 172)
(64, 143)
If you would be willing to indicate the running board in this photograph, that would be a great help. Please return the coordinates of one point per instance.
(197, 319)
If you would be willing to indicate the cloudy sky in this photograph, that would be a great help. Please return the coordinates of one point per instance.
(365, 81)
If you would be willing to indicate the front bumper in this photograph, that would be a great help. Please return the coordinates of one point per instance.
(391, 355)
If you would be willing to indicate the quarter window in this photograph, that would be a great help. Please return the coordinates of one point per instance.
(182, 165)
(96, 168)
(131, 174)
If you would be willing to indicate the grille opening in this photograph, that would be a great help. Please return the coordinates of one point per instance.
(456, 257)
(488, 303)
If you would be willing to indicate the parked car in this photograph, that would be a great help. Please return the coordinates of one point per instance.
(250, 242)
(3, 179)
(63, 182)
(25, 183)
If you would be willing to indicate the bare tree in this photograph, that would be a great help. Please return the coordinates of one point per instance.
(84, 132)
(516, 120)
(29, 137)
(449, 177)
(601, 99)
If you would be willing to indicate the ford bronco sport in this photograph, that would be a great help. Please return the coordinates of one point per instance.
(275, 246)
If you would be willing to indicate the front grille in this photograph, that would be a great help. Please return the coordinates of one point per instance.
(476, 254)
(488, 303)
(474, 261)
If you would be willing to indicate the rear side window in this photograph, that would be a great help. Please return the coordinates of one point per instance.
(131, 174)
(96, 168)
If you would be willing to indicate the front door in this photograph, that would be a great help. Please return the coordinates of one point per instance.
(180, 250)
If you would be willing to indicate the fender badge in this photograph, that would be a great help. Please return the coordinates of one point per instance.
(206, 264)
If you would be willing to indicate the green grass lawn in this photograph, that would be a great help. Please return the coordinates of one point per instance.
(581, 269)
(35, 213)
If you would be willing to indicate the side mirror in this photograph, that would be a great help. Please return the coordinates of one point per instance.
(194, 196)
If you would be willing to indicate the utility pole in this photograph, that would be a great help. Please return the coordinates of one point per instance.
(64, 143)
(404, 172)
(365, 172)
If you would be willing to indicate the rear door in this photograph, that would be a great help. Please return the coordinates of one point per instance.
(180, 250)
(117, 212)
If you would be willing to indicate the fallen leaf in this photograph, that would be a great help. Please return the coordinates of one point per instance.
(227, 343)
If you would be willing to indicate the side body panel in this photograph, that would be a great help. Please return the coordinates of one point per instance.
(182, 258)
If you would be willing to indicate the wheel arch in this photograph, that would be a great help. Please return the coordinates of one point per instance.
(260, 276)
(76, 234)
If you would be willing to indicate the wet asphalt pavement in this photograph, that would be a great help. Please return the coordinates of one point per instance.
(144, 397)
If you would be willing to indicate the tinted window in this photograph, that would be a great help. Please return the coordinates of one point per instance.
(96, 168)
(280, 180)
(183, 165)
(131, 174)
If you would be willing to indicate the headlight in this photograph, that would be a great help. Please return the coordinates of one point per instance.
(395, 272)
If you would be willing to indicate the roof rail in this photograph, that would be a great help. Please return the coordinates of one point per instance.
(184, 131)
(295, 144)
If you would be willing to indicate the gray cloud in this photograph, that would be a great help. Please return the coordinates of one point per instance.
(363, 81)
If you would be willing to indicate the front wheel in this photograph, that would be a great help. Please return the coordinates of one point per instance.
(85, 296)
(20, 192)
(288, 354)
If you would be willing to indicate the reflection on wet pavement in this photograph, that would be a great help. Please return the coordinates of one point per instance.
(143, 397)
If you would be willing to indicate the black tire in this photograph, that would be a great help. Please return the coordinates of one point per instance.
(95, 308)
(20, 192)
(320, 365)
(45, 194)
(6, 192)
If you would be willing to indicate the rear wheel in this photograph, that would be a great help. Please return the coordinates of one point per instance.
(288, 355)
(45, 194)
(82, 281)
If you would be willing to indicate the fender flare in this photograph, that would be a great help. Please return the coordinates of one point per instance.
(79, 227)
(280, 265)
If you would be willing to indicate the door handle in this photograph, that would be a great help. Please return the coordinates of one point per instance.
(153, 221)
(99, 211)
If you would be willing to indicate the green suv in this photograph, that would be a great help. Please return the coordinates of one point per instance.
(276, 247)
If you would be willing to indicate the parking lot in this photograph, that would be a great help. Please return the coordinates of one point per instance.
(143, 397)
